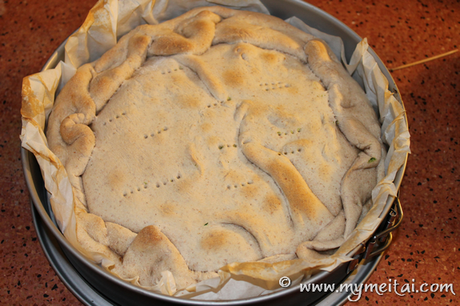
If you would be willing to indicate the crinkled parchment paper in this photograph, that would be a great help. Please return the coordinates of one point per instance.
(105, 24)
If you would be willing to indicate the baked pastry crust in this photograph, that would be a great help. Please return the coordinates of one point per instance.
(219, 136)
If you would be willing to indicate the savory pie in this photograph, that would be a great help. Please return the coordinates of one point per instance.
(216, 137)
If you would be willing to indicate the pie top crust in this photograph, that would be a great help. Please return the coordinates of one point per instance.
(219, 136)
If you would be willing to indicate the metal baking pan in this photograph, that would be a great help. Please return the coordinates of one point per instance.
(89, 295)
(94, 286)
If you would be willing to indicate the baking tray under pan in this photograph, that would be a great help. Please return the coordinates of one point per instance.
(94, 286)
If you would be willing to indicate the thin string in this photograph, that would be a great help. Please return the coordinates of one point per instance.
(424, 61)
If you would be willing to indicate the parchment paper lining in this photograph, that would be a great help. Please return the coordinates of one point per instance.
(109, 20)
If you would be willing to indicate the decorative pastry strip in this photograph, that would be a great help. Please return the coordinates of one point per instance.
(357, 120)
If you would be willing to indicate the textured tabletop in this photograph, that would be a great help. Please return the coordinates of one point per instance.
(425, 249)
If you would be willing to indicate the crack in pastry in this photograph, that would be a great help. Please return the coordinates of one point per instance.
(275, 146)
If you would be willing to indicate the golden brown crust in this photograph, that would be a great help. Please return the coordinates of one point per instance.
(219, 136)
